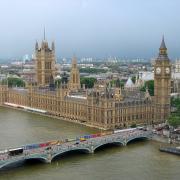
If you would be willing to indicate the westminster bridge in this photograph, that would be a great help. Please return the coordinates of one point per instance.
(54, 150)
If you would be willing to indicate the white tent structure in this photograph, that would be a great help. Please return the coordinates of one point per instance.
(129, 83)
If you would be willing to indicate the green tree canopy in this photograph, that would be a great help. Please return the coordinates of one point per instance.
(92, 70)
(14, 82)
(58, 83)
(133, 126)
(174, 120)
(64, 78)
(150, 85)
(175, 102)
(133, 79)
(117, 83)
(89, 82)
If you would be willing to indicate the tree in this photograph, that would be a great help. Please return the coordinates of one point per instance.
(175, 102)
(92, 70)
(58, 83)
(64, 78)
(89, 82)
(118, 83)
(133, 79)
(14, 82)
(174, 120)
(150, 85)
(113, 82)
(133, 126)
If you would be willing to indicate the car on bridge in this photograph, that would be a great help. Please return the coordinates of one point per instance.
(15, 152)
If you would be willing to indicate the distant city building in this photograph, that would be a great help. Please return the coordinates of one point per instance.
(84, 60)
(3, 76)
(175, 85)
(177, 66)
(176, 78)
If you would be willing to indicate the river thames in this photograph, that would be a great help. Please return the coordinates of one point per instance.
(140, 160)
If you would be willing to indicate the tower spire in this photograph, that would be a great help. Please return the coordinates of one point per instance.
(163, 49)
(53, 46)
(74, 60)
(163, 45)
(36, 45)
(44, 33)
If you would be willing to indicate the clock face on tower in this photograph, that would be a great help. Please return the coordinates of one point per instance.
(158, 70)
(167, 70)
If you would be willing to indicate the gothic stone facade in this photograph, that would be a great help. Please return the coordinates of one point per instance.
(96, 108)
(102, 107)
(45, 64)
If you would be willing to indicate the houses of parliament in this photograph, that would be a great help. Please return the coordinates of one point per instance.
(102, 106)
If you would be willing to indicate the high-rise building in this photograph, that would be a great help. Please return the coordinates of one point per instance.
(45, 63)
(162, 83)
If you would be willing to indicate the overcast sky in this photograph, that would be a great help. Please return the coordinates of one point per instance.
(90, 28)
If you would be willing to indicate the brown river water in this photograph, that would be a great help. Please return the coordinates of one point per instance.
(138, 161)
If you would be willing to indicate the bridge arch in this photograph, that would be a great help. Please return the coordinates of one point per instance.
(77, 150)
(136, 138)
(116, 143)
(36, 159)
(22, 161)
(10, 163)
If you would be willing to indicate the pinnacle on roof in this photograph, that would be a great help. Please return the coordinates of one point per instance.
(36, 45)
(44, 34)
(162, 50)
(74, 60)
(163, 45)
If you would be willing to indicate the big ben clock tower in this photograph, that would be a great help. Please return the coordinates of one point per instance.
(162, 84)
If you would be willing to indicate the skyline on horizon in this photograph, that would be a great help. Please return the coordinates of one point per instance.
(88, 28)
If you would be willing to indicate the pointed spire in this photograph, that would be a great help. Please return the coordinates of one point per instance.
(74, 60)
(163, 49)
(53, 46)
(44, 34)
(136, 81)
(44, 44)
(36, 46)
(163, 45)
(147, 95)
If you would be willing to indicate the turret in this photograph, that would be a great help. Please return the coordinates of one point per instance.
(74, 62)
(45, 63)
(74, 83)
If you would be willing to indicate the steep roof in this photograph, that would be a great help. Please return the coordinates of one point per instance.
(163, 45)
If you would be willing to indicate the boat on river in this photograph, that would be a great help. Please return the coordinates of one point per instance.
(172, 150)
